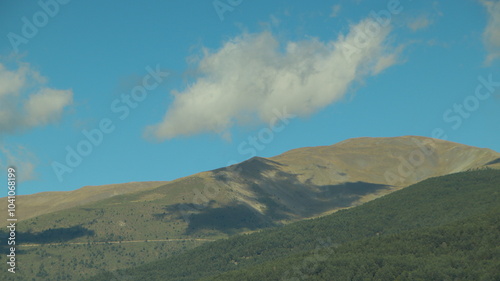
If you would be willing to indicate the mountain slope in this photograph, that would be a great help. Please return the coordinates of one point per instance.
(47, 202)
(308, 182)
(409, 158)
(434, 202)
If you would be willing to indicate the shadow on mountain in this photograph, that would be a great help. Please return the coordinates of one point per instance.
(274, 209)
(228, 219)
(55, 235)
(282, 197)
(182, 210)
(287, 198)
(344, 195)
(494, 162)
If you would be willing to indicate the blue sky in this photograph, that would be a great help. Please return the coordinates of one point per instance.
(96, 92)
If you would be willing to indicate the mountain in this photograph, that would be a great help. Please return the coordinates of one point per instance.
(300, 183)
(398, 161)
(313, 181)
(119, 226)
(443, 228)
(47, 202)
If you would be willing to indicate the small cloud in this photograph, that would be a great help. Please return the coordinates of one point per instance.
(335, 10)
(389, 60)
(275, 21)
(437, 9)
(46, 106)
(491, 34)
(419, 23)
(385, 62)
(253, 75)
(25, 101)
(19, 157)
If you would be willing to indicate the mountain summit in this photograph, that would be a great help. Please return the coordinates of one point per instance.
(313, 180)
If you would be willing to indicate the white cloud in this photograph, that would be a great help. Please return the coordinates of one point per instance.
(388, 60)
(335, 10)
(251, 75)
(46, 106)
(12, 82)
(385, 62)
(491, 34)
(419, 23)
(26, 102)
(20, 158)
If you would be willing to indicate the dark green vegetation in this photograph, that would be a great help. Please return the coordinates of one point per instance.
(444, 228)
(71, 261)
(464, 250)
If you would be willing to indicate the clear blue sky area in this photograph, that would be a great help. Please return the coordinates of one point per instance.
(101, 92)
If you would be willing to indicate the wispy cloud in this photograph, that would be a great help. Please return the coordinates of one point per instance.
(26, 102)
(386, 61)
(419, 23)
(335, 10)
(491, 34)
(253, 74)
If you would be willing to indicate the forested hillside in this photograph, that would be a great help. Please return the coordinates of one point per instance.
(449, 221)
(464, 250)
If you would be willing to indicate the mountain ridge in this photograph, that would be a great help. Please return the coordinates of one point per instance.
(386, 164)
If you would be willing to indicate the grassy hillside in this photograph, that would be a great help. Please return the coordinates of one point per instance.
(114, 233)
(436, 202)
(48, 202)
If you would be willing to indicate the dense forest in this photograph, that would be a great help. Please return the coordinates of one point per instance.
(444, 228)
(464, 250)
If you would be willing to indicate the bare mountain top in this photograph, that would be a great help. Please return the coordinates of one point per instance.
(314, 181)
(397, 161)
